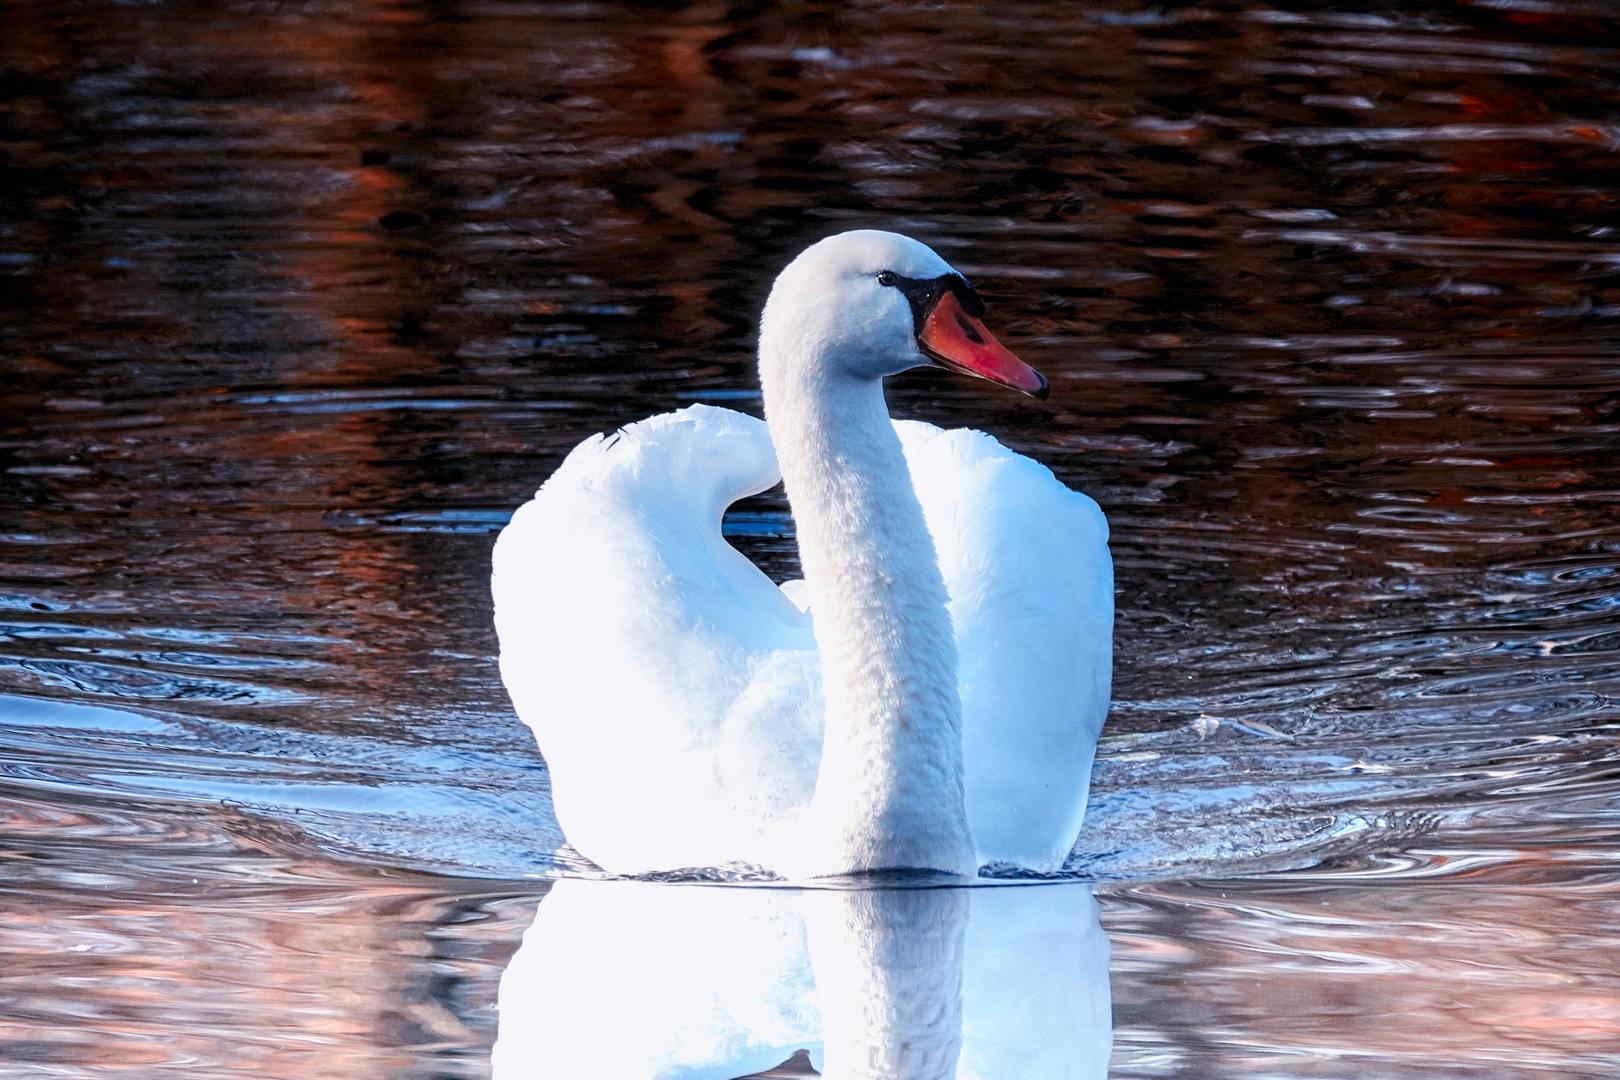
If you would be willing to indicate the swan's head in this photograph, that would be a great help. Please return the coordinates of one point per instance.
(866, 304)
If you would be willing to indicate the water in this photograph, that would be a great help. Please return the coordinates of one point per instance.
(302, 299)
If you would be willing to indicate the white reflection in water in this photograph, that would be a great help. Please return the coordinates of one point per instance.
(622, 980)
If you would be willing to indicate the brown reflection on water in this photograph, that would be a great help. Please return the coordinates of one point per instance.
(1487, 978)
(136, 946)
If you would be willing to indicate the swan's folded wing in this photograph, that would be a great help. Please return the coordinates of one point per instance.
(674, 691)
(1032, 596)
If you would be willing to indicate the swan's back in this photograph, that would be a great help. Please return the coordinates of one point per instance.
(1026, 563)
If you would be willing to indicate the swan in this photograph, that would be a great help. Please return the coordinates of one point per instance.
(927, 698)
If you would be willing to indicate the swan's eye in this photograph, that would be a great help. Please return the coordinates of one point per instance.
(887, 278)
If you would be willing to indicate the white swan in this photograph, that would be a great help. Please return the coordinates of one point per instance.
(932, 701)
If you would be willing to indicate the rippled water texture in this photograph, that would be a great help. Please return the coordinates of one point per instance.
(300, 300)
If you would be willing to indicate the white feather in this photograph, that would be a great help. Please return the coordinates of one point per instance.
(676, 693)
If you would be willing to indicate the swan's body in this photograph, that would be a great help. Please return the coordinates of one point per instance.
(938, 706)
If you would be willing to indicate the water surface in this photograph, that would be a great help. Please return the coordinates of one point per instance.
(301, 300)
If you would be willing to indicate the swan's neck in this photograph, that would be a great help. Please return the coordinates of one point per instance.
(889, 791)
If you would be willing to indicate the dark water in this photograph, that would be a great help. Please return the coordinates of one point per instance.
(300, 300)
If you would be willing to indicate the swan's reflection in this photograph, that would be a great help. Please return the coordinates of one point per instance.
(633, 981)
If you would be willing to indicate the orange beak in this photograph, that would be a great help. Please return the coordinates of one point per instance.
(956, 340)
